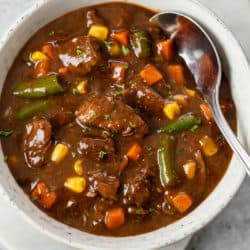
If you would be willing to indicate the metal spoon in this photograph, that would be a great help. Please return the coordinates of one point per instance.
(200, 54)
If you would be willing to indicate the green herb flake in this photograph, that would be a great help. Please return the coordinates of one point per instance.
(69, 113)
(43, 158)
(71, 125)
(85, 129)
(139, 212)
(194, 128)
(117, 93)
(126, 66)
(79, 52)
(34, 198)
(108, 43)
(125, 50)
(180, 150)
(132, 125)
(74, 91)
(5, 158)
(148, 148)
(151, 210)
(73, 154)
(107, 117)
(52, 33)
(102, 154)
(6, 133)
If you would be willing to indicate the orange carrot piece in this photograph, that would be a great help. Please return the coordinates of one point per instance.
(151, 75)
(166, 49)
(176, 74)
(114, 218)
(134, 152)
(206, 111)
(63, 71)
(118, 70)
(41, 69)
(43, 196)
(121, 36)
(182, 202)
(49, 51)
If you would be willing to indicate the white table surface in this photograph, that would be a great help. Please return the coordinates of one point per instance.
(229, 231)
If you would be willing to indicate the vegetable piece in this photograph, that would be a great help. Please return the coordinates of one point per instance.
(63, 71)
(134, 152)
(114, 218)
(113, 48)
(30, 110)
(43, 196)
(182, 202)
(6, 133)
(78, 167)
(171, 110)
(166, 49)
(76, 184)
(190, 92)
(38, 56)
(166, 160)
(38, 88)
(183, 123)
(206, 111)
(176, 74)
(41, 69)
(151, 75)
(189, 169)
(48, 50)
(181, 99)
(121, 36)
(99, 31)
(59, 153)
(208, 146)
(118, 70)
(82, 87)
(141, 44)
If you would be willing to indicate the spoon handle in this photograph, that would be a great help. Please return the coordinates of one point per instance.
(229, 135)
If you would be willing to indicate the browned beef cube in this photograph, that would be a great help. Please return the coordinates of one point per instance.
(36, 141)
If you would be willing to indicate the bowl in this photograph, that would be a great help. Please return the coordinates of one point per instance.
(237, 70)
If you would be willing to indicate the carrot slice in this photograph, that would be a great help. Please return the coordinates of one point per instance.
(41, 69)
(206, 111)
(114, 218)
(182, 202)
(134, 152)
(63, 71)
(166, 49)
(176, 74)
(49, 51)
(121, 36)
(151, 75)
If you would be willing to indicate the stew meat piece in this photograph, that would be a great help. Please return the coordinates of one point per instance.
(36, 141)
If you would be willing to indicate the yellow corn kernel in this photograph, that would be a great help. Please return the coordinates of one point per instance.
(78, 167)
(82, 87)
(208, 146)
(59, 152)
(181, 99)
(99, 31)
(115, 50)
(75, 184)
(190, 92)
(38, 56)
(190, 169)
(171, 110)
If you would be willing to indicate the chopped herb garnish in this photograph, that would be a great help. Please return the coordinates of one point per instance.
(79, 52)
(148, 148)
(6, 133)
(34, 198)
(179, 151)
(131, 81)
(151, 210)
(125, 50)
(195, 127)
(117, 93)
(126, 66)
(107, 117)
(5, 158)
(121, 86)
(108, 43)
(74, 91)
(69, 113)
(73, 154)
(113, 135)
(132, 125)
(102, 154)
(85, 129)
(170, 95)
(43, 158)
(71, 125)
(52, 33)
(139, 212)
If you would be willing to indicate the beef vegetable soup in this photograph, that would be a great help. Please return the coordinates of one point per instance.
(103, 128)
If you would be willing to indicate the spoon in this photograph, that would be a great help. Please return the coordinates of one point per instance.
(200, 54)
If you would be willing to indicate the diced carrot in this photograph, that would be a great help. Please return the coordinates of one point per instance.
(166, 49)
(41, 69)
(206, 111)
(176, 74)
(151, 75)
(182, 202)
(121, 36)
(114, 218)
(134, 152)
(49, 51)
(63, 71)
(43, 196)
(118, 70)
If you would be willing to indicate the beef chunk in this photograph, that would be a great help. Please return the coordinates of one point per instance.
(36, 141)
(112, 115)
(106, 186)
(79, 54)
(93, 18)
(144, 97)
(136, 189)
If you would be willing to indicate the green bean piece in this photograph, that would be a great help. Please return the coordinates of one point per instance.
(166, 160)
(185, 122)
(31, 110)
(38, 88)
(141, 44)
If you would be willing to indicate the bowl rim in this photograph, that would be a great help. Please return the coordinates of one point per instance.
(146, 237)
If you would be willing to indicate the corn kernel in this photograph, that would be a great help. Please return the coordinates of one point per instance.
(171, 110)
(75, 184)
(115, 50)
(190, 92)
(82, 87)
(99, 31)
(78, 167)
(181, 99)
(208, 146)
(59, 152)
(189, 169)
(38, 56)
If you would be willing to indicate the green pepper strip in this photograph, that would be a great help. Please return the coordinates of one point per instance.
(38, 88)
(30, 110)
(166, 160)
(185, 122)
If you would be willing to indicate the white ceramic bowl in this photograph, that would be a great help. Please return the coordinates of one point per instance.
(236, 67)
